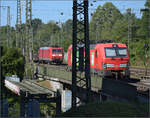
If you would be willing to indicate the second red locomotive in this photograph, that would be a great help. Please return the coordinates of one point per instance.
(107, 59)
(51, 55)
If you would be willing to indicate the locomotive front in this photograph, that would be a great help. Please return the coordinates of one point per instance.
(57, 55)
(51, 55)
(114, 60)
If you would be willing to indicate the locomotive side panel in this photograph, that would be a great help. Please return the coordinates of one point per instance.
(107, 59)
(69, 58)
(50, 54)
(44, 54)
(92, 58)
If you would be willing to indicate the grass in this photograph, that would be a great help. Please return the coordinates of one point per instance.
(105, 109)
(47, 109)
(14, 106)
(96, 81)
(45, 84)
(108, 109)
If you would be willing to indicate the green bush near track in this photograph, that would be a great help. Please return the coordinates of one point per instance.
(108, 109)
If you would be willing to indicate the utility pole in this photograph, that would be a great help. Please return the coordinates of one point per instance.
(8, 27)
(81, 64)
(62, 35)
(18, 25)
(29, 36)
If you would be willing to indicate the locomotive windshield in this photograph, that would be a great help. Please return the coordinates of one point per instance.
(110, 52)
(122, 52)
(116, 52)
(56, 50)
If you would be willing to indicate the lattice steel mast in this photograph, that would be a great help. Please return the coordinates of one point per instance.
(8, 22)
(29, 34)
(8, 27)
(129, 26)
(0, 14)
(81, 63)
(18, 25)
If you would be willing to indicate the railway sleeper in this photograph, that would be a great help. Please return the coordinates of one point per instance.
(145, 77)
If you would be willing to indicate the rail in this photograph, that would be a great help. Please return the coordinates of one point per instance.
(140, 73)
(28, 86)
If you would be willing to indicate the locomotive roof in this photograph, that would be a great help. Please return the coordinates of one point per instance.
(107, 42)
(49, 47)
(92, 46)
(44, 47)
(93, 43)
(101, 41)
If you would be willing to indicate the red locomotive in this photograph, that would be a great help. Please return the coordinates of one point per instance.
(107, 59)
(51, 55)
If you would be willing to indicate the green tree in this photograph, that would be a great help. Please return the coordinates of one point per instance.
(143, 37)
(52, 34)
(103, 21)
(67, 27)
(124, 29)
(67, 34)
(36, 23)
(46, 35)
(3, 36)
(12, 62)
(145, 21)
(143, 53)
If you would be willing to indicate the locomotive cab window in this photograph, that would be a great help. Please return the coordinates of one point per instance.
(110, 52)
(122, 52)
(56, 50)
(116, 52)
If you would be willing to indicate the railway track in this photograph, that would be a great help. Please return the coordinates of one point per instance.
(32, 87)
(60, 67)
(141, 73)
(136, 72)
(142, 86)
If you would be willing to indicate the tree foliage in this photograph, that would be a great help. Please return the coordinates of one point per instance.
(12, 62)
(107, 22)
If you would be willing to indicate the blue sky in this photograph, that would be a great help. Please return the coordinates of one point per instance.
(48, 10)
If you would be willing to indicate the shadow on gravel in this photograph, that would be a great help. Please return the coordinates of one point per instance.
(131, 80)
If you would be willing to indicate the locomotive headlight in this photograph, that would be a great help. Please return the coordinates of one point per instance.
(110, 65)
(123, 65)
(104, 65)
(60, 55)
(53, 55)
